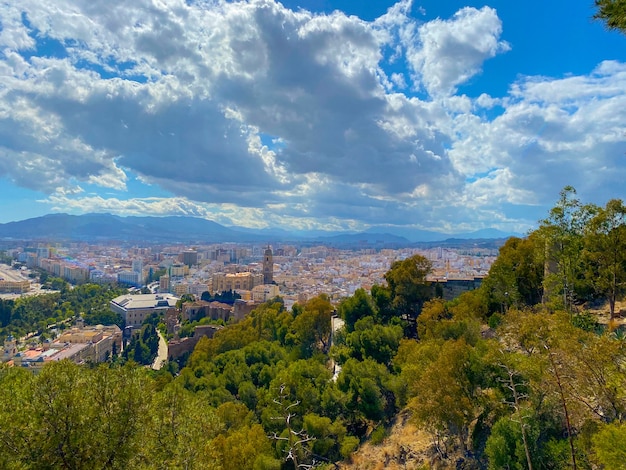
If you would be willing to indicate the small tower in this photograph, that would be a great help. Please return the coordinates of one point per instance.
(268, 266)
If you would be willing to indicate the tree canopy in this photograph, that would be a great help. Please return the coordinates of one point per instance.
(612, 12)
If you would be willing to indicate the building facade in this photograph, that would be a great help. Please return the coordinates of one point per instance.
(134, 309)
(236, 281)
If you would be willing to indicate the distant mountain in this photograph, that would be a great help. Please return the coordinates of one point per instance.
(355, 240)
(110, 227)
(416, 235)
(486, 233)
(178, 229)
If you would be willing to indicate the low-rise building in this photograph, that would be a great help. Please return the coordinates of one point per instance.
(134, 308)
(177, 347)
(14, 287)
(264, 292)
(106, 341)
(193, 311)
(79, 344)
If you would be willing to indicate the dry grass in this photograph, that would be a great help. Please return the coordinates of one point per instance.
(602, 314)
(405, 448)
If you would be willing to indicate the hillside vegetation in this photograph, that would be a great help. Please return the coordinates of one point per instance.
(517, 374)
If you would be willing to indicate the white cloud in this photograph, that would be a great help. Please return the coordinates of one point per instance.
(450, 52)
(248, 112)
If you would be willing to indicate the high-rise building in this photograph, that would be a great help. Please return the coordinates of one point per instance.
(164, 283)
(138, 266)
(268, 266)
(178, 270)
(190, 257)
(130, 278)
(43, 252)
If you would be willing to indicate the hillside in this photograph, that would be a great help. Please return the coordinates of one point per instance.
(405, 447)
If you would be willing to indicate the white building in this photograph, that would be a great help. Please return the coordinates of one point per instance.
(135, 308)
(130, 278)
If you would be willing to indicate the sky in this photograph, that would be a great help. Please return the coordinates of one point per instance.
(449, 116)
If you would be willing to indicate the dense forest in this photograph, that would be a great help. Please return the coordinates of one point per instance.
(518, 374)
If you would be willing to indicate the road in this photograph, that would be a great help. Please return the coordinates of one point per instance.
(161, 357)
(336, 324)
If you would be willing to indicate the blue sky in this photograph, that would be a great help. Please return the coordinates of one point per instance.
(313, 114)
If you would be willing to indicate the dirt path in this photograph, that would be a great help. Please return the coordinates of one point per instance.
(161, 357)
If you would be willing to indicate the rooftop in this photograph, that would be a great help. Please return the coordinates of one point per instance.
(137, 301)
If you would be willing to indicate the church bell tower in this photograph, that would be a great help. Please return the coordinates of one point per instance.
(268, 266)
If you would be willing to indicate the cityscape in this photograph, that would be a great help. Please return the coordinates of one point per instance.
(298, 273)
(156, 277)
(312, 234)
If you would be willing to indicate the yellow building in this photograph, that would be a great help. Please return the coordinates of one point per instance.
(236, 281)
(265, 292)
(14, 287)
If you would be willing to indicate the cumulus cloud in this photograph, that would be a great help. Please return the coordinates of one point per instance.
(450, 52)
(248, 112)
(553, 132)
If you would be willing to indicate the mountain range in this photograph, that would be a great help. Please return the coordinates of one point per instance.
(180, 229)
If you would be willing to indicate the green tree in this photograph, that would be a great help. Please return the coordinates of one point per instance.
(605, 251)
(612, 12)
(562, 236)
(72, 417)
(408, 288)
(355, 307)
(449, 320)
(180, 431)
(512, 443)
(377, 342)
(448, 398)
(271, 321)
(245, 447)
(608, 445)
(516, 276)
(311, 329)
(368, 385)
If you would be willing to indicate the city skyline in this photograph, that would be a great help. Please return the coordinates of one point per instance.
(310, 114)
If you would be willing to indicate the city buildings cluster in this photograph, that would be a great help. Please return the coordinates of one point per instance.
(256, 272)
(80, 344)
(158, 276)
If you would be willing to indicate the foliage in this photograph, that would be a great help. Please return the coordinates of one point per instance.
(377, 342)
(310, 330)
(5, 258)
(54, 419)
(28, 314)
(359, 305)
(612, 12)
(447, 398)
(505, 446)
(605, 252)
(609, 447)
(516, 277)
(143, 347)
(226, 297)
(407, 290)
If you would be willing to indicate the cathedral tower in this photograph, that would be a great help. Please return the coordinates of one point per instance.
(268, 266)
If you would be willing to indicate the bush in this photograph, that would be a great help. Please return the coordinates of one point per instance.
(348, 446)
(378, 435)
